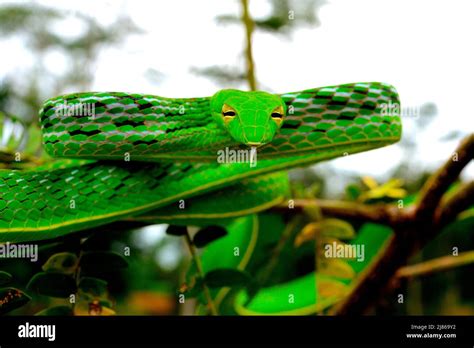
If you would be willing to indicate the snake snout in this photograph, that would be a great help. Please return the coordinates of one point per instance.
(254, 135)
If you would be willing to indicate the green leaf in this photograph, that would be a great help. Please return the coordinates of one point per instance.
(273, 23)
(94, 287)
(56, 311)
(61, 262)
(12, 298)
(373, 237)
(226, 277)
(337, 228)
(102, 261)
(353, 192)
(328, 228)
(52, 284)
(5, 278)
(175, 230)
(208, 234)
(336, 268)
(275, 299)
(308, 232)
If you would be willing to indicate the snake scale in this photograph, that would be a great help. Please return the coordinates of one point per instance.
(137, 155)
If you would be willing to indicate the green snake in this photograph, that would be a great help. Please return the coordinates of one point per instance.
(155, 159)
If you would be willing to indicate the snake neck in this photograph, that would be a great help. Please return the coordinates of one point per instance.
(336, 120)
(114, 125)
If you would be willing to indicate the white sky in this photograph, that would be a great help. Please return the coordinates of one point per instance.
(424, 48)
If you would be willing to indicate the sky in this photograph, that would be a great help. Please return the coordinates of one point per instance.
(423, 48)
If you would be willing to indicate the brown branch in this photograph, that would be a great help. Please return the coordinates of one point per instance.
(370, 284)
(436, 265)
(436, 186)
(249, 25)
(379, 213)
(458, 202)
(418, 227)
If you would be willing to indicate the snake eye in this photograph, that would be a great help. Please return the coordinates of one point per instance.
(228, 113)
(277, 115)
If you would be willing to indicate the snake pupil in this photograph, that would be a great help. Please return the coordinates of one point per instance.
(229, 113)
(277, 115)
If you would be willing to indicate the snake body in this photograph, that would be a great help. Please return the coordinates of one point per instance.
(137, 154)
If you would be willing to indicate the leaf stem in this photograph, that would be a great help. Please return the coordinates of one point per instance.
(199, 268)
(77, 277)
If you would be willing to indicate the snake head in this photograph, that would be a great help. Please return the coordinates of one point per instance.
(251, 118)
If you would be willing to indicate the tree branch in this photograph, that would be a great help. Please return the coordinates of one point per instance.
(458, 202)
(436, 265)
(436, 186)
(418, 227)
(380, 213)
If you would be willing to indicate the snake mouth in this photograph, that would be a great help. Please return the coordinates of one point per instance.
(251, 143)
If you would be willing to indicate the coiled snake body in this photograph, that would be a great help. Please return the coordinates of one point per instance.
(137, 155)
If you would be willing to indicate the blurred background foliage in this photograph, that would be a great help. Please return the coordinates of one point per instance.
(158, 262)
(37, 26)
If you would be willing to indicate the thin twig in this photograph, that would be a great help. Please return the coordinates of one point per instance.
(380, 213)
(77, 276)
(200, 271)
(436, 265)
(249, 25)
(268, 270)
